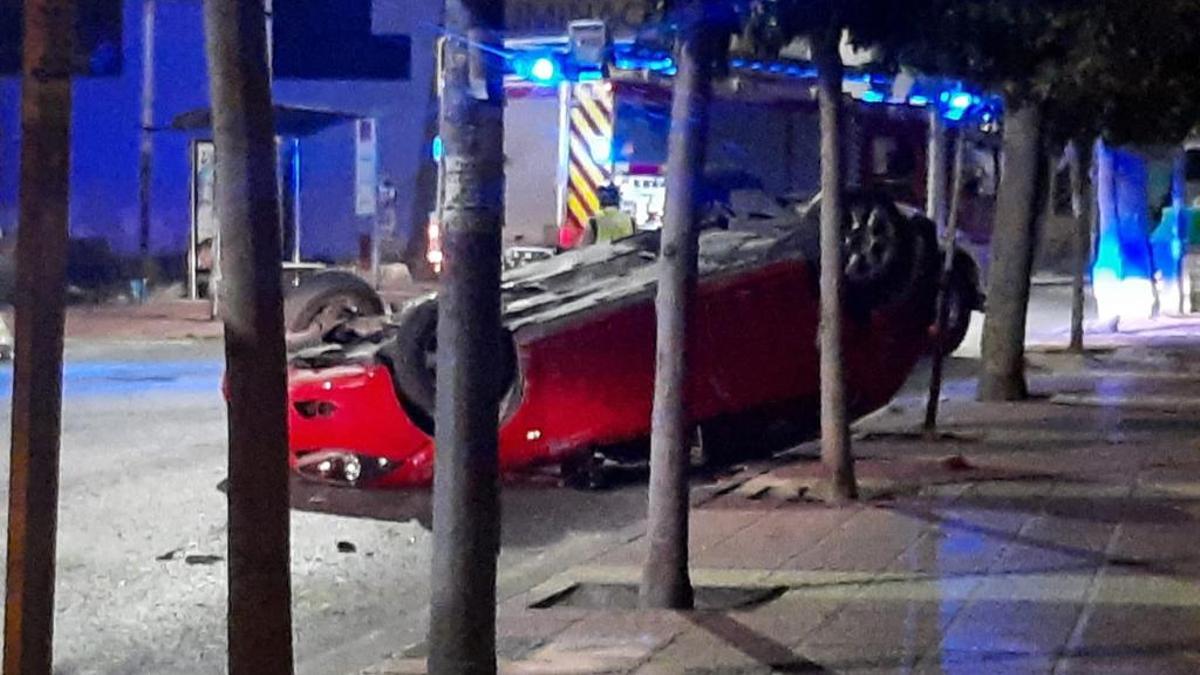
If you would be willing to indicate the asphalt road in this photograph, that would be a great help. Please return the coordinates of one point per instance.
(141, 575)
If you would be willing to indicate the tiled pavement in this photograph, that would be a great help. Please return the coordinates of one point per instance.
(1064, 541)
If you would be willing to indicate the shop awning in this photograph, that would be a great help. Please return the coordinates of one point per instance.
(289, 120)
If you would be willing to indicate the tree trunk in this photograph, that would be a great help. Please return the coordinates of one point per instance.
(260, 617)
(1017, 210)
(37, 368)
(1081, 240)
(835, 429)
(935, 188)
(466, 522)
(941, 309)
(665, 581)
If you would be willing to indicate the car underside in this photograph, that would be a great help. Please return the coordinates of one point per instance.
(574, 373)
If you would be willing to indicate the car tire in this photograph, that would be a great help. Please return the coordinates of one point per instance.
(919, 279)
(329, 298)
(878, 249)
(958, 312)
(585, 471)
(732, 440)
(411, 355)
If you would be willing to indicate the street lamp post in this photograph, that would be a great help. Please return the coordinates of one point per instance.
(146, 145)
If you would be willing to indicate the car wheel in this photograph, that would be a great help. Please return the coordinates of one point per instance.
(870, 242)
(958, 315)
(923, 261)
(411, 355)
(324, 300)
(728, 441)
(585, 471)
(878, 248)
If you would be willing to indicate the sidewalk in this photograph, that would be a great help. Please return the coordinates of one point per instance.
(155, 320)
(177, 319)
(1057, 535)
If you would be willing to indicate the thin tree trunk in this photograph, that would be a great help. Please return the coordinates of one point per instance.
(941, 308)
(665, 581)
(835, 429)
(466, 522)
(260, 617)
(37, 368)
(1081, 241)
(935, 188)
(1017, 210)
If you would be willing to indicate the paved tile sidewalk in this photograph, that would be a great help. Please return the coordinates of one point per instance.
(1057, 535)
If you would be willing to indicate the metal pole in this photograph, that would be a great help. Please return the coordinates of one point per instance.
(565, 100)
(146, 146)
(935, 181)
(296, 166)
(192, 262)
(37, 370)
(269, 15)
(376, 253)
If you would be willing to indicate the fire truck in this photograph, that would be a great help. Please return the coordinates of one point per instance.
(575, 125)
(584, 111)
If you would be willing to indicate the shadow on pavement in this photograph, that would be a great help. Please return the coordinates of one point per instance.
(532, 513)
(764, 650)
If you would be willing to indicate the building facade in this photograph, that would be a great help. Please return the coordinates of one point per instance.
(105, 134)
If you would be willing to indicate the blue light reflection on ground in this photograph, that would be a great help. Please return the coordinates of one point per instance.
(122, 378)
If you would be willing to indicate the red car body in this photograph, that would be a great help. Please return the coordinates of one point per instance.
(586, 375)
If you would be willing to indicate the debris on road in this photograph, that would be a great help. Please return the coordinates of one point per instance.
(203, 559)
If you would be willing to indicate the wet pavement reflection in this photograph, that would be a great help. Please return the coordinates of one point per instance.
(1063, 542)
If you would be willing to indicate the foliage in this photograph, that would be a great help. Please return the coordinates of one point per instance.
(1131, 74)
(770, 25)
(1119, 69)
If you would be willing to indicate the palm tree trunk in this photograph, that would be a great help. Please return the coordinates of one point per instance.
(941, 309)
(1017, 209)
(37, 369)
(665, 581)
(466, 522)
(260, 617)
(835, 429)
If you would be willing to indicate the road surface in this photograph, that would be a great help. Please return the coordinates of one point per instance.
(141, 577)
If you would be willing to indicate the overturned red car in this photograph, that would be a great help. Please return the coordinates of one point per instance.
(579, 358)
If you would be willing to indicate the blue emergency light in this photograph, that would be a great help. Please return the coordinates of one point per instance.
(540, 68)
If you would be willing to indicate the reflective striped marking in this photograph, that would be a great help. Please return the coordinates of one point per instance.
(591, 125)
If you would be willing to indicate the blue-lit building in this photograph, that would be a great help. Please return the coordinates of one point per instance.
(105, 132)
